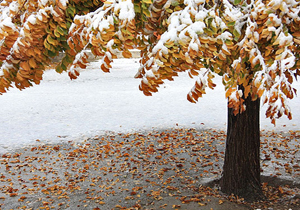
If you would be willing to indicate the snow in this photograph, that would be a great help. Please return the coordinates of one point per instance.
(200, 15)
(64, 2)
(32, 19)
(104, 25)
(7, 21)
(43, 2)
(198, 27)
(14, 6)
(62, 110)
(199, 1)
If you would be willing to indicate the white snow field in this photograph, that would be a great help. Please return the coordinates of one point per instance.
(97, 102)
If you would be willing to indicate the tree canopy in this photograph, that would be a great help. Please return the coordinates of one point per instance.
(253, 44)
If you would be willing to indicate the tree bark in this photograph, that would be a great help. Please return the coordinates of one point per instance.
(241, 170)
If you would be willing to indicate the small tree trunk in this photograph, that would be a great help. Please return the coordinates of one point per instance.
(241, 170)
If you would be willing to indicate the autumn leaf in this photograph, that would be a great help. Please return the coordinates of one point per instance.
(201, 204)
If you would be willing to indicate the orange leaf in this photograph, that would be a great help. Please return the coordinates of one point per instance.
(247, 90)
(280, 189)
(25, 65)
(126, 54)
(190, 99)
(260, 92)
(19, 77)
(229, 92)
(13, 194)
(158, 157)
(296, 34)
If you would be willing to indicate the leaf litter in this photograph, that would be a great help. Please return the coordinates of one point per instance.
(164, 169)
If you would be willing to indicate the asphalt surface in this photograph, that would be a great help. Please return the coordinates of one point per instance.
(166, 169)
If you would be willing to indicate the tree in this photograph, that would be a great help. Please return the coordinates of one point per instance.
(253, 45)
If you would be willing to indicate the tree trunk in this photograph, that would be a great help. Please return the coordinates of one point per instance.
(241, 170)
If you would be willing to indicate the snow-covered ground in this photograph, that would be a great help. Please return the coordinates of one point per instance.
(61, 109)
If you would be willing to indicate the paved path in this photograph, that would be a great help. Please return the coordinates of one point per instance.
(150, 170)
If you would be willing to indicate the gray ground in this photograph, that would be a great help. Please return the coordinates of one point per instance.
(167, 169)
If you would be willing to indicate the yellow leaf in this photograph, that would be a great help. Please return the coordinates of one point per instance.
(63, 25)
(56, 33)
(147, 1)
(199, 65)
(265, 33)
(48, 46)
(32, 63)
(188, 59)
(238, 67)
(278, 57)
(212, 48)
(173, 61)
(51, 40)
(169, 43)
(276, 42)
(229, 92)
(297, 41)
(204, 40)
(279, 51)
(268, 52)
(52, 24)
(222, 56)
(147, 13)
